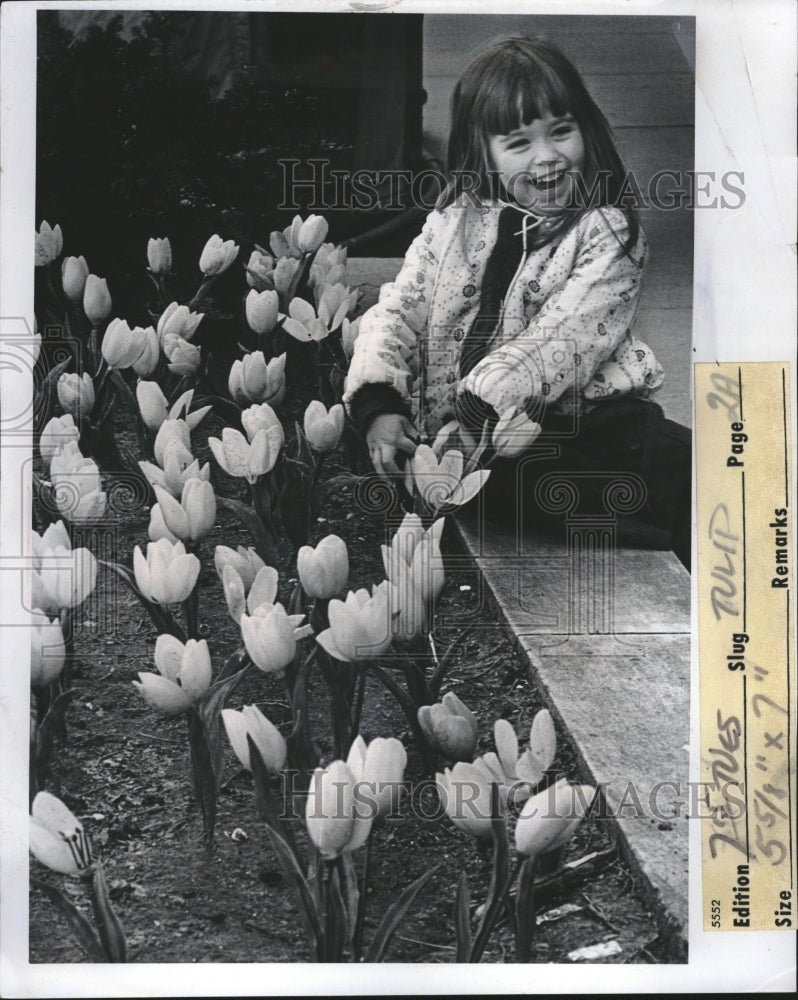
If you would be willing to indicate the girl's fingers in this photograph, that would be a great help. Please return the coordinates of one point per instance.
(407, 444)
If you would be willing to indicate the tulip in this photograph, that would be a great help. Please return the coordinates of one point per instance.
(350, 330)
(335, 301)
(323, 571)
(261, 310)
(337, 823)
(450, 727)
(192, 518)
(55, 536)
(184, 675)
(329, 265)
(254, 381)
(514, 432)
(97, 302)
(57, 839)
(312, 233)
(465, 794)
(532, 765)
(178, 320)
(217, 256)
(443, 482)
(173, 429)
(322, 429)
(184, 358)
(270, 637)
(286, 243)
(284, 273)
(380, 767)
(179, 466)
(302, 322)
(76, 394)
(268, 739)
(49, 244)
(550, 818)
(153, 407)
(74, 271)
(259, 271)
(122, 347)
(167, 575)
(241, 597)
(159, 255)
(150, 353)
(360, 626)
(77, 487)
(259, 417)
(414, 558)
(242, 459)
(63, 577)
(58, 431)
(47, 649)
(406, 609)
(246, 563)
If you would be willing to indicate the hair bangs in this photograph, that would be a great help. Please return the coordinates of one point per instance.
(519, 93)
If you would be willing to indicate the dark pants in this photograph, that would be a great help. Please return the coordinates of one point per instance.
(624, 461)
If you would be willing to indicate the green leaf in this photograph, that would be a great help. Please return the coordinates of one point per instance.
(352, 894)
(499, 879)
(203, 771)
(111, 933)
(162, 619)
(335, 917)
(261, 535)
(84, 932)
(525, 910)
(304, 897)
(47, 393)
(393, 917)
(265, 802)
(462, 920)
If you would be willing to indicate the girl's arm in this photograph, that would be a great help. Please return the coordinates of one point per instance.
(577, 331)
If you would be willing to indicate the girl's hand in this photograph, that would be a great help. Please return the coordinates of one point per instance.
(388, 434)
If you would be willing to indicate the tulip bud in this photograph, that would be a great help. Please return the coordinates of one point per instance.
(270, 637)
(77, 488)
(261, 310)
(57, 839)
(450, 727)
(49, 243)
(184, 675)
(323, 571)
(57, 432)
(74, 272)
(184, 358)
(284, 271)
(336, 822)
(335, 301)
(250, 721)
(239, 458)
(159, 255)
(252, 380)
(217, 256)
(550, 818)
(76, 394)
(167, 575)
(120, 346)
(47, 649)
(246, 563)
(360, 626)
(322, 429)
(65, 577)
(350, 330)
(178, 320)
(312, 233)
(192, 518)
(378, 770)
(170, 430)
(465, 795)
(151, 350)
(514, 432)
(97, 300)
(260, 417)
(259, 271)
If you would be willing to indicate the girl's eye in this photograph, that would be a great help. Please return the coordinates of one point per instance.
(562, 131)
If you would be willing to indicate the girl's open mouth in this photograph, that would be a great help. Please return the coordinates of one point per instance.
(549, 183)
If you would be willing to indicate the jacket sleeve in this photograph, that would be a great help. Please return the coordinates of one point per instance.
(577, 330)
(387, 347)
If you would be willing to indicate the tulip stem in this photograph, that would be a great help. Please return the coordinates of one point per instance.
(360, 920)
(190, 612)
(358, 706)
(411, 715)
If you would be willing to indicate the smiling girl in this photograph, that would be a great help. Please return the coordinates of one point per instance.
(520, 296)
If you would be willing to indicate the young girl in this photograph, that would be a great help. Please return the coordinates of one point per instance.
(521, 292)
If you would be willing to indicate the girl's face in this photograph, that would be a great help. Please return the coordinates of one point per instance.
(539, 161)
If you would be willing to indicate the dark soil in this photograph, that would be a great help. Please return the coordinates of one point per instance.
(125, 772)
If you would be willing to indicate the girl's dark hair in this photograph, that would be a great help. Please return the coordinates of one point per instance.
(510, 82)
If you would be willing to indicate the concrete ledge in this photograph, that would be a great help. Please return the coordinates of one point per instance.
(621, 693)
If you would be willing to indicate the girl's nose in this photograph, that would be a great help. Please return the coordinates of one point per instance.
(543, 152)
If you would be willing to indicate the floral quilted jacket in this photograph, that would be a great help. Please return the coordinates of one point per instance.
(563, 340)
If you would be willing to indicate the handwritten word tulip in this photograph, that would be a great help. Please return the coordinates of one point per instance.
(252, 380)
(323, 571)
(268, 739)
(57, 838)
(167, 574)
(76, 394)
(323, 429)
(74, 271)
(47, 652)
(550, 818)
(442, 483)
(261, 310)
(97, 302)
(450, 726)
(49, 244)
(514, 431)
(159, 255)
(270, 637)
(178, 320)
(184, 675)
(360, 626)
(217, 256)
